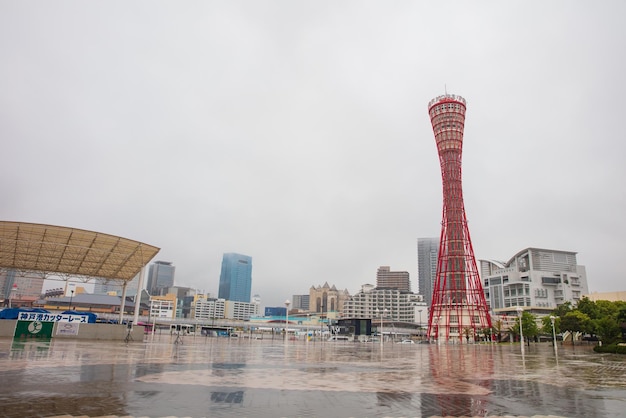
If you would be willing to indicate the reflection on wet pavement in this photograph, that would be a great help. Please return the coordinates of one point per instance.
(226, 377)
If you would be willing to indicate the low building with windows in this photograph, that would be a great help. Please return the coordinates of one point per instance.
(163, 306)
(204, 307)
(217, 308)
(536, 279)
(392, 304)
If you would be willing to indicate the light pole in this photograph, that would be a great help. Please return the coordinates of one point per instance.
(287, 303)
(308, 318)
(12, 293)
(552, 318)
(420, 323)
(521, 333)
(71, 297)
(382, 314)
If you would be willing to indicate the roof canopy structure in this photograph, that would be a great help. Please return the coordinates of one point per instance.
(64, 251)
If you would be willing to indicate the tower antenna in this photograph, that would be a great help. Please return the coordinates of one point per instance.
(445, 89)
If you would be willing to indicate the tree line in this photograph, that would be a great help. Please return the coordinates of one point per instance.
(602, 320)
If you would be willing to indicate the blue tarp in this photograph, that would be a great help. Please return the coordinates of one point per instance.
(91, 317)
(13, 313)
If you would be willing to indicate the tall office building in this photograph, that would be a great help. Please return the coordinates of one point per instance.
(300, 302)
(458, 299)
(20, 289)
(427, 251)
(107, 286)
(160, 278)
(387, 279)
(236, 278)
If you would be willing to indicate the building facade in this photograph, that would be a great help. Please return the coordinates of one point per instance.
(207, 308)
(427, 253)
(108, 286)
(21, 289)
(160, 278)
(211, 308)
(534, 277)
(300, 302)
(163, 306)
(385, 278)
(392, 304)
(327, 300)
(241, 310)
(236, 278)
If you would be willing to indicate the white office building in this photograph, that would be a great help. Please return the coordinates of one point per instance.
(392, 304)
(212, 308)
(208, 308)
(535, 278)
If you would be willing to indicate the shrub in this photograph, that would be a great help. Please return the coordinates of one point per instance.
(611, 348)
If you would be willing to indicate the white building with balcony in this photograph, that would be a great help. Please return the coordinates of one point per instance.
(393, 304)
(534, 278)
(212, 308)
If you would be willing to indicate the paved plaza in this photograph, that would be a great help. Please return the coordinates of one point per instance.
(224, 377)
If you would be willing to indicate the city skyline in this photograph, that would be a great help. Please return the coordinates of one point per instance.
(297, 132)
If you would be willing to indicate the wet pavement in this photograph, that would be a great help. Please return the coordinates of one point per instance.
(222, 377)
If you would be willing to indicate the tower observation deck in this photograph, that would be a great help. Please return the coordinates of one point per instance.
(459, 310)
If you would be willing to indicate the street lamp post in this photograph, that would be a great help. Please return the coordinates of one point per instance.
(308, 318)
(382, 315)
(521, 333)
(12, 293)
(71, 297)
(287, 303)
(420, 323)
(552, 318)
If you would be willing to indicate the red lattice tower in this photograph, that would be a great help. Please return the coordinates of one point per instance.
(459, 310)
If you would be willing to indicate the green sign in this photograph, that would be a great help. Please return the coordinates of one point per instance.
(33, 329)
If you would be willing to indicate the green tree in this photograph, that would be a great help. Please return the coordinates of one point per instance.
(546, 325)
(588, 307)
(621, 315)
(563, 309)
(576, 321)
(497, 329)
(529, 326)
(607, 309)
(608, 329)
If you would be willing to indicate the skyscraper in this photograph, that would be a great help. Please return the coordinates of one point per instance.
(160, 277)
(387, 279)
(236, 277)
(459, 308)
(427, 250)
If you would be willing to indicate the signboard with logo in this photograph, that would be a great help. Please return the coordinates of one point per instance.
(66, 328)
(33, 329)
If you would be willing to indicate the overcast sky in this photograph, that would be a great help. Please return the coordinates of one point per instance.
(297, 132)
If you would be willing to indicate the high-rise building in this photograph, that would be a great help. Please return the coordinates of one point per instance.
(20, 289)
(300, 302)
(160, 278)
(236, 278)
(427, 251)
(387, 279)
(107, 286)
(458, 305)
